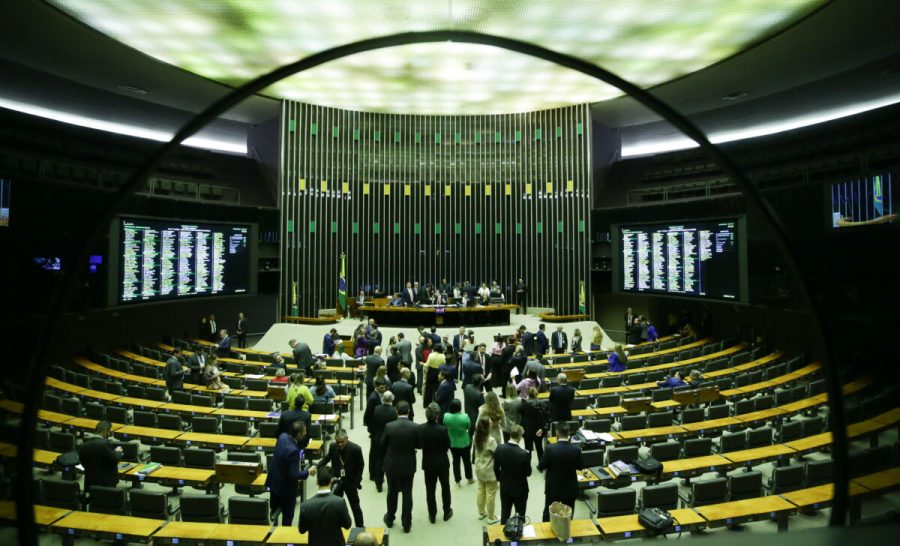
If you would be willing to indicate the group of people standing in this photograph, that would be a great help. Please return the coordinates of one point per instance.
(444, 293)
(209, 330)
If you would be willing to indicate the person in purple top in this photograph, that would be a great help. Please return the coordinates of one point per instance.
(674, 380)
(651, 331)
(618, 361)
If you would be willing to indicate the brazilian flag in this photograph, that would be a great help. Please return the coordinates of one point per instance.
(342, 285)
(877, 197)
(582, 303)
(295, 306)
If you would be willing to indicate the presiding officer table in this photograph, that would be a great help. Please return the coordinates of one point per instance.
(449, 315)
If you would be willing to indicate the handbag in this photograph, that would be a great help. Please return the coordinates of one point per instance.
(655, 519)
(514, 527)
(648, 465)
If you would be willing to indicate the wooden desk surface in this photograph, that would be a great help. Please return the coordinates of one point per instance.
(857, 385)
(816, 441)
(290, 535)
(613, 410)
(743, 508)
(258, 442)
(89, 424)
(711, 424)
(205, 438)
(587, 412)
(63, 386)
(12, 406)
(43, 515)
(185, 408)
(761, 415)
(110, 524)
(200, 476)
(189, 530)
(250, 414)
(53, 417)
(657, 432)
(804, 404)
(819, 495)
(139, 402)
(580, 528)
(44, 457)
(863, 428)
(665, 404)
(886, 479)
(239, 533)
(712, 462)
(147, 432)
(889, 417)
(758, 453)
(621, 525)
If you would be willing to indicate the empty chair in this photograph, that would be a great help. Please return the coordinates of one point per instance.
(816, 387)
(61, 493)
(268, 429)
(725, 383)
(633, 422)
(208, 425)
(598, 425)
(166, 455)
(144, 419)
(741, 380)
(759, 437)
(97, 383)
(612, 381)
(195, 457)
(858, 463)
(204, 400)
(232, 367)
(744, 406)
(732, 442)
(181, 397)
(790, 430)
(697, 447)
(880, 458)
(719, 411)
(61, 441)
(82, 380)
(130, 450)
(257, 385)
(259, 404)
(52, 402)
(117, 414)
(703, 492)
(814, 425)
(93, 410)
(637, 378)
(108, 500)
(248, 510)
(665, 451)
(320, 408)
(627, 454)
(315, 431)
(786, 478)
(819, 472)
(233, 382)
(591, 457)
(135, 391)
(764, 402)
(71, 406)
(756, 376)
(114, 387)
(616, 502)
(587, 384)
(235, 427)
(608, 401)
(692, 415)
(663, 496)
(745, 485)
(662, 394)
(42, 438)
(798, 392)
(235, 402)
(201, 508)
(659, 419)
(578, 403)
(783, 397)
(169, 421)
(155, 393)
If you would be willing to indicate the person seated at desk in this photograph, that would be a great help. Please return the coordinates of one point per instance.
(697, 379)
(437, 298)
(396, 300)
(496, 291)
(651, 330)
(323, 393)
(484, 294)
(457, 291)
(361, 298)
(674, 380)
(339, 352)
(618, 359)
(280, 376)
(213, 376)
(378, 292)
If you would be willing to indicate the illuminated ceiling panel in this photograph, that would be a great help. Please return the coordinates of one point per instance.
(646, 41)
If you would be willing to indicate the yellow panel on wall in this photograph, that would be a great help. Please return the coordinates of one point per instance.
(487, 190)
(407, 190)
(468, 190)
(302, 184)
(528, 188)
(508, 189)
(448, 190)
(324, 185)
(427, 190)
(570, 186)
(387, 189)
(549, 186)
(366, 188)
(345, 187)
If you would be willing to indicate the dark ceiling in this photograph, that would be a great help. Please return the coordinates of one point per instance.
(842, 54)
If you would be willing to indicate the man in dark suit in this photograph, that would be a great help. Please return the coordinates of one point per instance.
(393, 365)
(241, 331)
(408, 295)
(99, 459)
(330, 342)
(470, 368)
(286, 470)
(404, 347)
(297, 413)
(543, 344)
(404, 391)
(561, 461)
(346, 461)
(323, 515)
(435, 442)
(302, 355)
(223, 347)
(383, 414)
(528, 343)
(173, 373)
(212, 331)
(512, 466)
(559, 341)
(458, 340)
(474, 399)
(400, 441)
(521, 295)
(373, 362)
(479, 357)
(629, 319)
(561, 397)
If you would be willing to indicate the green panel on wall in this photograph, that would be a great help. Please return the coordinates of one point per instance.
(396, 228)
(355, 134)
(397, 137)
(580, 226)
(477, 137)
(498, 228)
(537, 134)
(333, 227)
(290, 226)
(518, 228)
(457, 138)
(377, 136)
(497, 137)
(292, 125)
(376, 228)
(540, 227)
(417, 228)
(314, 128)
(418, 137)
(437, 137)
(335, 132)
(560, 226)
(457, 228)
(355, 228)
(437, 228)
(580, 128)
(477, 228)
(518, 136)
(558, 131)
(312, 226)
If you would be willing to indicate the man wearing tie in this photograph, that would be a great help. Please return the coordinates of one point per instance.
(400, 442)
(521, 294)
(409, 294)
(223, 348)
(212, 332)
(324, 515)
(241, 331)
(512, 466)
(559, 341)
(561, 461)
(480, 358)
(543, 344)
(285, 471)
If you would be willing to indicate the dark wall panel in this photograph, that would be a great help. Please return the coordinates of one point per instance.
(406, 197)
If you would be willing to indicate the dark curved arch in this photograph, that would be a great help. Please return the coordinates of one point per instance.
(39, 363)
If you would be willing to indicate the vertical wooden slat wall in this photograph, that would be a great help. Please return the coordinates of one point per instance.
(410, 197)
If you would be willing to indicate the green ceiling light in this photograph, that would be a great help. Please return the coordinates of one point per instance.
(645, 41)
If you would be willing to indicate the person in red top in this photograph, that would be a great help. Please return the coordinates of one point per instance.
(280, 377)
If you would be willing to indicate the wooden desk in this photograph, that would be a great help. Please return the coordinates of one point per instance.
(448, 316)
(750, 457)
(107, 526)
(888, 418)
(760, 416)
(233, 533)
(263, 444)
(810, 443)
(580, 530)
(52, 417)
(732, 513)
(43, 515)
(815, 498)
(665, 404)
(184, 532)
(247, 414)
(185, 409)
(175, 476)
(221, 441)
(610, 411)
(694, 466)
(139, 403)
(147, 432)
(620, 527)
(42, 457)
(650, 434)
(712, 424)
(63, 386)
(84, 423)
(880, 481)
(805, 404)
(291, 536)
(12, 406)
(587, 479)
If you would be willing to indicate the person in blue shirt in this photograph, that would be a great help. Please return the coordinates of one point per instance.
(674, 380)
(396, 301)
(322, 393)
(286, 470)
(543, 343)
(330, 342)
(618, 361)
(445, 392)
(651, 331)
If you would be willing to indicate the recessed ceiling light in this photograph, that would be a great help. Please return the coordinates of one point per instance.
(132, 89)
(734, 96)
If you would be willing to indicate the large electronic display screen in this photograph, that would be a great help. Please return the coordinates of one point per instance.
(171, 259)
(705, 259)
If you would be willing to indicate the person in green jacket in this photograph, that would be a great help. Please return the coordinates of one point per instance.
(298, 388)
(457, 424)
